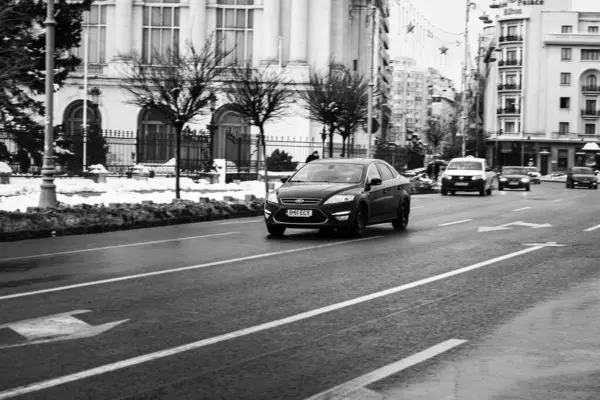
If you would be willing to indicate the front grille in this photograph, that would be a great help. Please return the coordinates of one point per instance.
(304, 201)
(317, 218)
(462, 178)
(517, 180)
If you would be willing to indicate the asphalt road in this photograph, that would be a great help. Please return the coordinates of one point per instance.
(218, 310)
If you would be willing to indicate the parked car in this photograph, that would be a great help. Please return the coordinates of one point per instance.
(581, 176)
(468, 174)
(534, 175)
(347, 194)
(514, 178)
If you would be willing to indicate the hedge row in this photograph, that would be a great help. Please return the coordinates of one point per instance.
(74, 220)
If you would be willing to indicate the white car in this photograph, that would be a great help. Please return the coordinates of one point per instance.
(468, 174)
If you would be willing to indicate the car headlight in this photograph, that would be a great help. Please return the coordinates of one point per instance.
(503, 179)
(339, 198)
(272, 198)
(446, 176)
(524, 180)
(477, 177)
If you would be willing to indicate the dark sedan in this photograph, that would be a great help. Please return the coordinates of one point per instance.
(514, 178)
(581, 177)
(346, 194)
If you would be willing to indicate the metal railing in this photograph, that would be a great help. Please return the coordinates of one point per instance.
(509, 86)
(587, 112)
(511, 38)
(508, 110)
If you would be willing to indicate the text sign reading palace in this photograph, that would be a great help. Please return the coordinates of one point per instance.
(519, 3)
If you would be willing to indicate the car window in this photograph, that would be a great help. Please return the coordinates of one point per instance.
(373, 172)
(514, 171)
(386, 174)
(464, 165)
(583, 171)
(328, 172)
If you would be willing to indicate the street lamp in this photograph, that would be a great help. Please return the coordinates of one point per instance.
(48, 188)
(212, 128)
(323, 137)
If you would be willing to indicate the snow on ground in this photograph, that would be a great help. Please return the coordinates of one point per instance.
(23, 192)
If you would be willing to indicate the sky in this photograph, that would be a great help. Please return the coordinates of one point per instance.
(449, 15)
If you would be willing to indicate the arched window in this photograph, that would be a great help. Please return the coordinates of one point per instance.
(73, 117)
(156, 138)
(592, 80)
(232, 141)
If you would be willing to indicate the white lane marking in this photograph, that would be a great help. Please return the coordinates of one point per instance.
(242, 221)
(118, 246)
(34, 387)
(593, 228)
(416, 208)
(339, 392)
(170, 271)
(557, 200)
(522, 208)
(455, 222)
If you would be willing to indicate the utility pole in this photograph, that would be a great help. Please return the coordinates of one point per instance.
(86, 55)
(371, 84)
(465, 113)
(48, 188)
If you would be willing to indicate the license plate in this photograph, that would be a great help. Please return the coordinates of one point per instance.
(461, 184)
(299, 213)
(514, 183)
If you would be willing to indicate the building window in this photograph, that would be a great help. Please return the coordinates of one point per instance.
(590, 106)
(565, 102)
(565, 78)
(94, 21)
(590, 129)
(511, 55)
(565, 54)
(592, 29)
(563, 158)
(590, 55)
(566, 29)
(511, 30)
(235, 29)
(509, 127)
(591, 81)
(160, 29)
(563, 127)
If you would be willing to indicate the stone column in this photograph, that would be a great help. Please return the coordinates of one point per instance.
(519, 79)
(338, 19)
(503, 78)
(270, 26)
(124, 17)
(299, 32)
(198, 23)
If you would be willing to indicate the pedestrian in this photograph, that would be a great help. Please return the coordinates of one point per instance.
(313, 156)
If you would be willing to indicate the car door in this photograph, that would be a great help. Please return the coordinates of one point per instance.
(375, 194)
(389, 202)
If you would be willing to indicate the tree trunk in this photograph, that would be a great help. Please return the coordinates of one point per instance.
(178, 130)
(344, 146)
(331, 131)
(264, 152)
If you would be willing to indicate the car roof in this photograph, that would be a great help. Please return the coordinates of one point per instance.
(340, 160)
(468, 159)
(516, 166)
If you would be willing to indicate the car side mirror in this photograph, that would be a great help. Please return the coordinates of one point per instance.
(376, 181)
(285, 179)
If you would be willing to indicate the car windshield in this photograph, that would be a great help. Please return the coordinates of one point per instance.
(583, 171)
(515, 171)
(464, 165)
(329, 172)
(531, 169)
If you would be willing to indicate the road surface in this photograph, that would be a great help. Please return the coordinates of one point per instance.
(482, 297)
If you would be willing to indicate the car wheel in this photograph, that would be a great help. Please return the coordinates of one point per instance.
(401, 222)
(527, 188)
(360, 222)
(500, 187)
(482, 192)
(275, 230)
(595, 187)
(444, 192)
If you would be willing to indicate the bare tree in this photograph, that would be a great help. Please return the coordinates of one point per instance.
(179, 85)
(260, 95)
(355, 106)
(438, 130)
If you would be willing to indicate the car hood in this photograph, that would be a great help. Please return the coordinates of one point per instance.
(581, 177)
(314, 190)
(462, 172)
(514, 176)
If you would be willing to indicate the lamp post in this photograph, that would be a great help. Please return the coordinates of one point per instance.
(371, 83)
(323, 137)
(465, 112)
(212, 128)
(48, 188)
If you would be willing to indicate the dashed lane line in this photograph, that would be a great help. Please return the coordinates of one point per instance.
(593, 228)
(522, 209)
(456, 222)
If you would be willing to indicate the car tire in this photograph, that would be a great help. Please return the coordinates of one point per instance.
(401, 222)
(528, 188)
(489, 191)
(444, 192)
(500, 187)
(276, 230)
(360, 222)
(482, 192)
(452, 192)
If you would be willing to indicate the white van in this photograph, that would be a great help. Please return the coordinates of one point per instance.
(468, 174)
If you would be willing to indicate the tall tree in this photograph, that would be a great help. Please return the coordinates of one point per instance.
(22, 61)
(437, 131)
(355, 106)
(180, 85)
(261, 95)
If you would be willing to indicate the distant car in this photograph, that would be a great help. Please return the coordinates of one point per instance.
(534, 175)
(468, 174)
(514, 178)
(581, 176)
(346, 194)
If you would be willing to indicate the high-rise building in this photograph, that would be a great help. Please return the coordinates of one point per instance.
(542, 94)
(299, 35)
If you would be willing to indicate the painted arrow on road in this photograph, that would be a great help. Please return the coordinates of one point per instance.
(55, 328)
(509, 225)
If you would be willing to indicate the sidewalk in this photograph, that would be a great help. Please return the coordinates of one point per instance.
(551, 352)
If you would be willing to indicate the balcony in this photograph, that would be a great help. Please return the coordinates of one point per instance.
(590, 114)
(572, 39)
(511, 38)
(581, 137)
(509, 86)
(509, 63)
(508, 111)
(590, 89)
